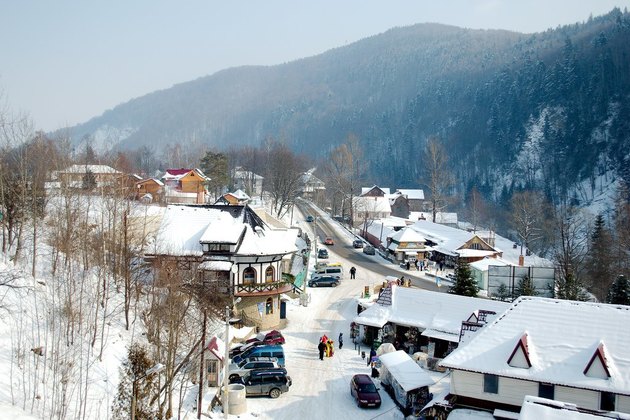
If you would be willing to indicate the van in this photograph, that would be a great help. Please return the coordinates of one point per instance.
(262, 351)
(335, 270)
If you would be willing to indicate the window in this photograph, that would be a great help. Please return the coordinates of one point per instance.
(546, 391)
(269, 306)
(607, 401)
(490, 383)
(269, 274)
(216, 247)
(249, 276)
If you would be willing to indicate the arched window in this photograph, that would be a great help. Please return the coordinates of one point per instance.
(269, 306)
(269, 274)
(249, 276)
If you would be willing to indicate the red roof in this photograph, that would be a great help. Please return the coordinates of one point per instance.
(178, 171)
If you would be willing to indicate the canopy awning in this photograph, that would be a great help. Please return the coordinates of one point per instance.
(407, 373)
(440, 335)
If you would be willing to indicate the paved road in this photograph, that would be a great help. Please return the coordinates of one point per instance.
(345, 250)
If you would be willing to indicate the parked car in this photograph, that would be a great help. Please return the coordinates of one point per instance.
(369, 250)
(329, 241)
(241, 369)
(364, 391)
(325, 281)
(357, 243)
(276, 351)
(272, 382)
(322, 253)
(310, 218)
(255, 342)
(274, 337)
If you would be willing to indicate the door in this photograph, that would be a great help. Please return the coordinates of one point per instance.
(283, 310)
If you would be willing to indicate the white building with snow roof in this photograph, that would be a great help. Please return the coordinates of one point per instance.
(575, 352)
(421, 320)
(233, 253)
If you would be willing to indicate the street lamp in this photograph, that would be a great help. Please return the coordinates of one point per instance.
(134, 390)
(226, 358)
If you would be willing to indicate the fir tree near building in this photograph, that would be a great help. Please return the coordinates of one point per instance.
(526, 287)
(465, 284)
(619, 292)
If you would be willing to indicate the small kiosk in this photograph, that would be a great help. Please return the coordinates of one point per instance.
(405, 381)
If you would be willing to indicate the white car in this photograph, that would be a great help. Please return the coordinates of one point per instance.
(236, 371)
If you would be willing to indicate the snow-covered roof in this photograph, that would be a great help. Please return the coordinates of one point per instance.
(440, 217)
(424, 309)
(563, 339)
(184, 228)
(482, 265)
(177, 174)
(365, 190)
(95, 169)
(536, 408)
(407, 235)
(412, 194)
(407, 373)
(240, 173)
(371, 205)
(155, 180)
(240, 195)
(216, 265)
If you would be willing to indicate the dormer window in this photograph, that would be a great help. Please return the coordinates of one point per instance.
(520, 355)
(217, 247)
(597, 367)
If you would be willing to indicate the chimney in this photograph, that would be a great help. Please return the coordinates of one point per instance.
(521, 260)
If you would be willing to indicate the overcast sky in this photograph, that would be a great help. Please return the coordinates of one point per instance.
(65, 61)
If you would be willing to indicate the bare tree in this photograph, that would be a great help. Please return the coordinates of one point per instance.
(569, 253)
(282, 182)
(343, 171)
(528, 211)
(438, 178)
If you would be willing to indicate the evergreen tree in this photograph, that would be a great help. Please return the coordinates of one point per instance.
(465, 284)
(134, 369)
(215, 166)
(89, 180)
(503, 293)
(570, 287)
(599, 261)
(619, 292)
(526, 287)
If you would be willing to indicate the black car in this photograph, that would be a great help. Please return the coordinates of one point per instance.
(322, 253)
(325, 281)
(272, 382)
(357, 243)
(310, 218)
(369, 250)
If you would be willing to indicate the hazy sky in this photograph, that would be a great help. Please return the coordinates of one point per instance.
(64, 61)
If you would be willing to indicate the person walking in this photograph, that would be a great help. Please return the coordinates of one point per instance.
(321, 347)
(407, 265)
(353, 271)
(372, 355)
(340, 340)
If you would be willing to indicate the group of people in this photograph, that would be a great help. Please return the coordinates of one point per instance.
(326, 346)
(420, 265)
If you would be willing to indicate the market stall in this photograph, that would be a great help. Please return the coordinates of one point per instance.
(405, 381)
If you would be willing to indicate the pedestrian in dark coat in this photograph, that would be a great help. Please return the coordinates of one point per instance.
(353, 271)
(372, 354)
(340, 340)
(321, 347)
(407, 265)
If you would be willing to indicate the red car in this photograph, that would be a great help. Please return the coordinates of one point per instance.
(364, 391)
(329, 241)
(274, 337)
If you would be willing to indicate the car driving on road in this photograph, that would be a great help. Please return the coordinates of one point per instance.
(329, 241)
(357, 243)
(369, 250)
(322, 253)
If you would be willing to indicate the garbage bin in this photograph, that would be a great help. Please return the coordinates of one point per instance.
(237, 403)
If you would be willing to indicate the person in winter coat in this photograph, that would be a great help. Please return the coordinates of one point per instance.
(340, 340)
(353, 271)
(321, 347)
(372, 354)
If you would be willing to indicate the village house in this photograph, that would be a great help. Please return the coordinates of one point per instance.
(247, 181)
(186, 186)
(311, 187)
(233, 253)
(417, 320)
(149, 190)
(573, 352)
(406, 245)
(233, 198)
(87, 177)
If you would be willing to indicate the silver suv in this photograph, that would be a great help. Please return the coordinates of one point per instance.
(241, 369)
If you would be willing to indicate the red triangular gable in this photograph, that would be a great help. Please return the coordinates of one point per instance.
(598, 360)
(520, 355)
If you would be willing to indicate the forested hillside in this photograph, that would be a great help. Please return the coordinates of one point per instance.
(548, 111)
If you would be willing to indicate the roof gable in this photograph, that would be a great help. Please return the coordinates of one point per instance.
(520, 355)
(597, 367)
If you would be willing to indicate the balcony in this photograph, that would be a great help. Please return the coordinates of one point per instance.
(271, 288)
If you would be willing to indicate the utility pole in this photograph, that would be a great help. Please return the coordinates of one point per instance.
(201, 365)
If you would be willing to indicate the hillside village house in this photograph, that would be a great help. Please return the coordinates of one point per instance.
(233, 253)
(418, 320)
(185, 186)
(234, 198)
(312, 188)
(79, 176)
(149, 190)
(572, 352)
(406, 244)
(247, 181)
